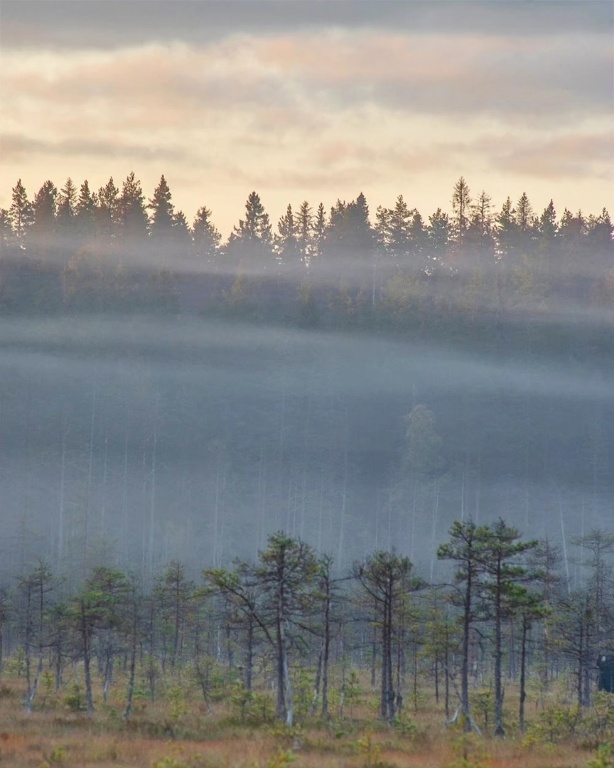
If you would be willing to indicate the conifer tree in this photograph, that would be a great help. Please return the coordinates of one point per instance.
(251, 242)
(286, 241)
(439, 233)
(304, 233)
(20, 213)
(108, 212)
(506, 229)
(464, 549)
(132, 215)
(6, 230)
(461, 200)
(162, 215)
(182, 235)
(503, 589)
(85, 212)
(67, 204)
(319, 232)
(43, 227)
(206, 237)
(386, 578)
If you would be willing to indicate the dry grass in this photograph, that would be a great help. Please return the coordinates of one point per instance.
(196, 737)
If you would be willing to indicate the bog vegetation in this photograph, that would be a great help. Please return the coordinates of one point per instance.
(287, 658)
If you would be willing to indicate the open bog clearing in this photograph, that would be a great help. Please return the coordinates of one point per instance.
(184, 732)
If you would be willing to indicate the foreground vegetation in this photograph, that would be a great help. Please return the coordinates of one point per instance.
(286, 659)
(180, 730)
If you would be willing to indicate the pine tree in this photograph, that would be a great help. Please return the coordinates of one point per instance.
(319, 232)
(162, 215)
(286, 242)
(461, 200)
(67, 205)
(108, 212)
(6, 230)
(304, 234)
(547, 226)
(360, 228)
(525, 225)
(251, 242)
(572, 252)
(502, 588)
(386, 578)
(85, 212)
(206, 237)
(439, 233)
(43, 229)
(174, 593)
(506, 229)
(600, 256)
(349, 233)
(182, 235)
(419, 238)
(479, 245)
(382, 229)
(524, 213)
(20, 213)
(464, 549)
(131, 210)
(394, 234)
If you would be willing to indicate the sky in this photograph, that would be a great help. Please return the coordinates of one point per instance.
(314, 100)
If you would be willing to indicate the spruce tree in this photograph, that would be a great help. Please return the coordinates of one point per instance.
(43, 229)
(251, 243)
(286, 240)
(132, 215)
(20, 213)
(206, 238)
(162, 215)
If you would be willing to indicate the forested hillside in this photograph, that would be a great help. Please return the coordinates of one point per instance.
(359, 379)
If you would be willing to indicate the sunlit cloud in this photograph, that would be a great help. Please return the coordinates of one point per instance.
(322, 105)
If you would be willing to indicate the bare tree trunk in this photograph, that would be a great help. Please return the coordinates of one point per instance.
(325, 666)
(288, 690)
(249, 652)
(108, 675)
(499, 729)
(316, 686)
(523, 670)
(132, 666)
(85, 637)
(33, 689)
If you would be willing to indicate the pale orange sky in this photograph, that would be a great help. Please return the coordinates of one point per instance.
(311, 100)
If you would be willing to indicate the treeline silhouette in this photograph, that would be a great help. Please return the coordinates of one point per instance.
(75, 249)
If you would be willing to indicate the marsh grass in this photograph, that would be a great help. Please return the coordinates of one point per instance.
(179, 731)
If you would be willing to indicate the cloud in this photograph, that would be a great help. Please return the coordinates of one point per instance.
(357, 95)
(16, 148)
(565, 156)
(117, 23)
(442, 74)
(289, 80)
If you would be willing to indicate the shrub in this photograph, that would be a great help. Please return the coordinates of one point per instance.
(597, 723)
(553, 724)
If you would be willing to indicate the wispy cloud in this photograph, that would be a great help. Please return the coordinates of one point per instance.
(17, 148)
(117, 23)
(559, 157)
(319, 98)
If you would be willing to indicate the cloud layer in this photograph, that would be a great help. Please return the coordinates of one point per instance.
(316, 99)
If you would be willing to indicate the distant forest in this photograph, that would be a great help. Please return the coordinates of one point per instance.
(75, 249)
(356, 379)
